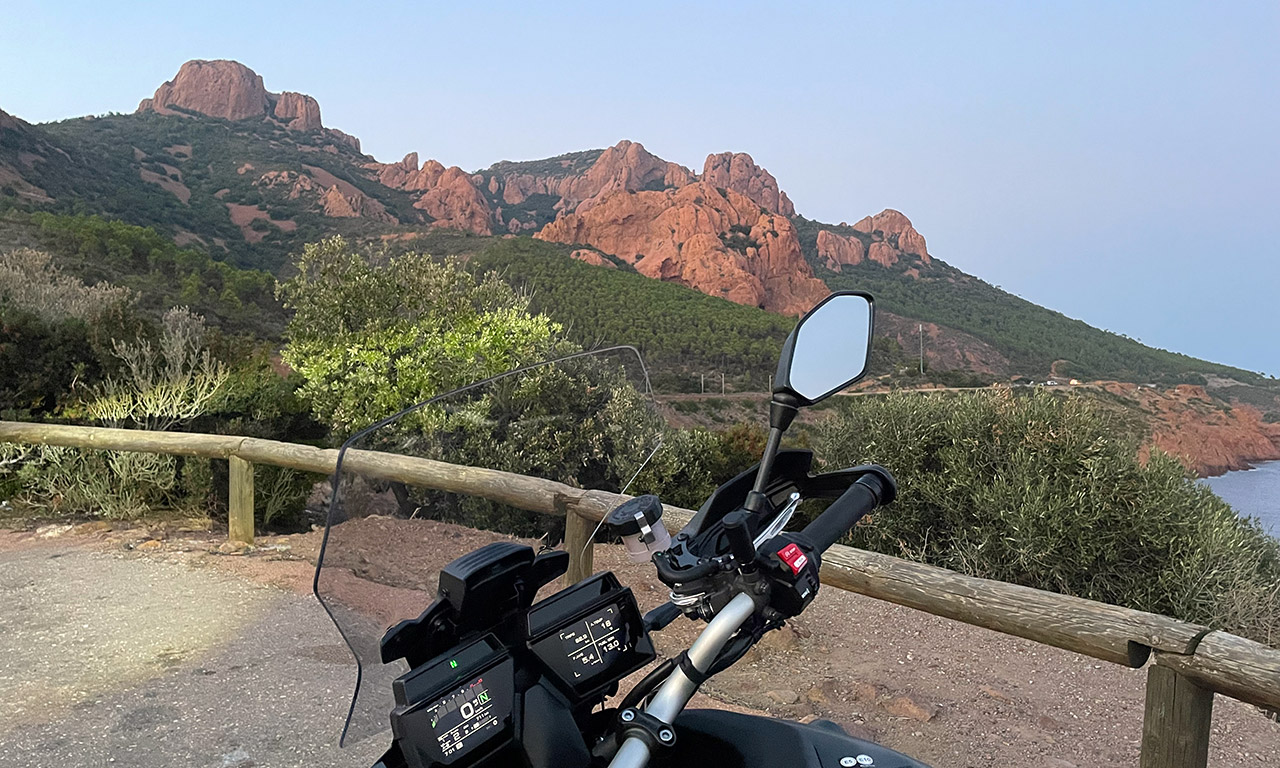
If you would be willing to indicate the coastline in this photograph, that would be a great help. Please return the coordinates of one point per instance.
(1209, 436)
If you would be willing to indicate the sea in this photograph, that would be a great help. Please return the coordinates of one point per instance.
(1254, 492)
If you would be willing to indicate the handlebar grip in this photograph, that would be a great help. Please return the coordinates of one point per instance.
(866, 494)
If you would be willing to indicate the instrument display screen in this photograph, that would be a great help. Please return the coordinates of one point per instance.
(456, 708)
(596, 642)
(590, 636)
(464, 718)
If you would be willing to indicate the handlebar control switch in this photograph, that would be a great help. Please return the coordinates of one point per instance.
(639, 523)
(792, 563)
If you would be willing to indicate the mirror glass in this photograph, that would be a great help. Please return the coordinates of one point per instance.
(832, 346)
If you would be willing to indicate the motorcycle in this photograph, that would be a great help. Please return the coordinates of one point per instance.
(488, 674)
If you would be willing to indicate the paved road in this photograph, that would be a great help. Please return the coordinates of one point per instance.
(127, 661)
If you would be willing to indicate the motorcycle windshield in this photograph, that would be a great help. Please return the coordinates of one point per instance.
(586, 421)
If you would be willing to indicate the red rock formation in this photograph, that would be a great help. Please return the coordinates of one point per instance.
(890, 225)
(839, 250)
(226, 89)
(626, 166)
(298, 184)
(345, 139)
(737, 171)
(454, 202)
(230, 90)
(352, 203)
(395, 175)
(1208, 439)
(883, 254)
(298, 111)
(337, 206)
(685, 235)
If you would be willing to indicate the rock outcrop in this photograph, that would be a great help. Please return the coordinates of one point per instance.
(298, 111)
(626, 166)
(226, 89)
(737, 171)
(343, 138)
(232, 91)
(723, 244)
(450, 195)
(838, 251)
(1210, 440)
(454, 202)
(593, 258)
(291, 184)
(894, 229)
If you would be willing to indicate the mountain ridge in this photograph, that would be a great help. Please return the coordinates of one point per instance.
(218, 162)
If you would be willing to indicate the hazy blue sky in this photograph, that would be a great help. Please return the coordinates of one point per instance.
(1117, 162)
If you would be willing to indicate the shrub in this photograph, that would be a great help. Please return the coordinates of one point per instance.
(29, 281)
(1047, 492)
(371, 338)
(167, 383)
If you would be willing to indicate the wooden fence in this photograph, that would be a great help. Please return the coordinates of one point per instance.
(1191, 662)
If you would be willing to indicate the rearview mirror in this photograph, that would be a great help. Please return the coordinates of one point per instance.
(829, 348)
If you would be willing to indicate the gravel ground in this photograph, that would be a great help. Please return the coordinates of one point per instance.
(113, 661)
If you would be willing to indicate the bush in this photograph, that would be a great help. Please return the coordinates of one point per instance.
(166, 383)
(373, 336)
(1047, 492)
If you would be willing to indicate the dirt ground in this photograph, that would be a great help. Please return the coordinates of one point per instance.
(944, 692)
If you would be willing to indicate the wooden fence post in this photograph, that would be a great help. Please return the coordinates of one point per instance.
(1175, 726)
(577, 542)
(240, 508)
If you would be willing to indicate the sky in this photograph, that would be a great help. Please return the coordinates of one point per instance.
(1117, 162)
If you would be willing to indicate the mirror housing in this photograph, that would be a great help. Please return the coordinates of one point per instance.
(832, 345)
(828, 350)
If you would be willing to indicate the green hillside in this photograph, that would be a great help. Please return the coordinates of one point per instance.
(139, 168)
(1031, 336)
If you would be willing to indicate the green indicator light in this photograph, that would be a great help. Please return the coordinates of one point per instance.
(453, 664)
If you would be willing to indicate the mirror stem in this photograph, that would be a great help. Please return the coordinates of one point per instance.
(782, 411)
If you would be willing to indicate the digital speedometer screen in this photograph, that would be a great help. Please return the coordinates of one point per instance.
(593, 644)
(464, 718)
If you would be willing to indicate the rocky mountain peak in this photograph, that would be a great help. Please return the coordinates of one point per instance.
(298, 111)
(230, 90)
(891, 226)
(737, 171)
(220, 88)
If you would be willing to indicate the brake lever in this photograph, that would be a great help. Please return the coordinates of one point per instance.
(780, 522)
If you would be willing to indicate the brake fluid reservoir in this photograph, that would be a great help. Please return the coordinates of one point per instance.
(639, 523)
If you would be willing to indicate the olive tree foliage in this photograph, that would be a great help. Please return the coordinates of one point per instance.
(1047, 491)
(583, 422)
(372, 334)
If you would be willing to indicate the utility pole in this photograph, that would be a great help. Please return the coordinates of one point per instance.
(703, 384)
(770, 389)
(922, 349)
(722, 383)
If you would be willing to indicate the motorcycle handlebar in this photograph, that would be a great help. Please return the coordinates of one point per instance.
(871, 490)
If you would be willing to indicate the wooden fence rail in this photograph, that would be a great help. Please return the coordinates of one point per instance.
(1191, 662)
